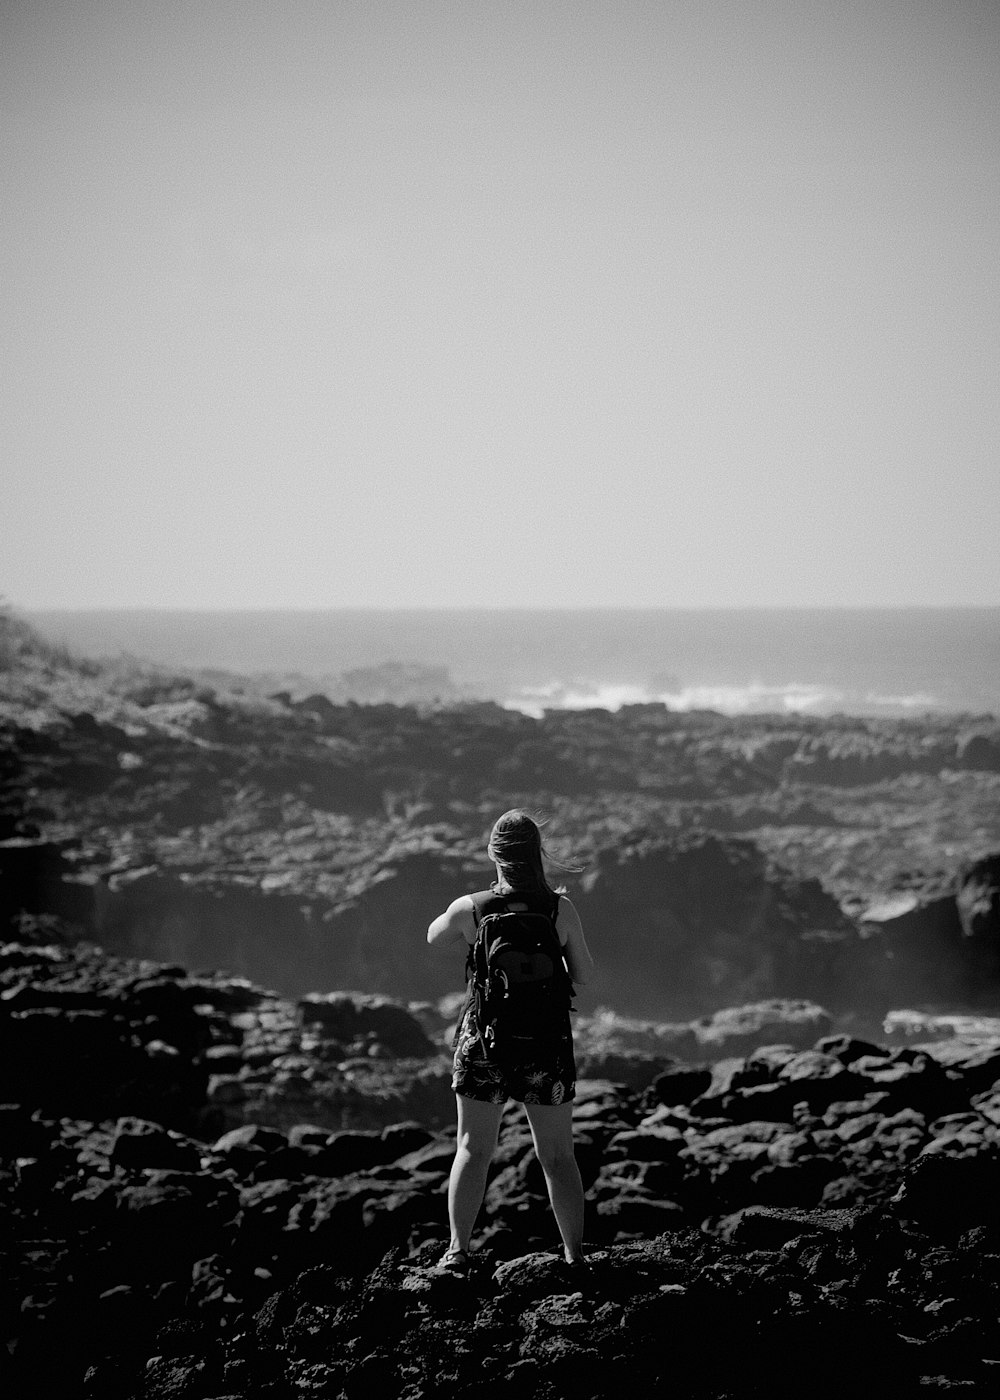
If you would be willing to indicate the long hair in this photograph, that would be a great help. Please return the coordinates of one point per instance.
(516, 846)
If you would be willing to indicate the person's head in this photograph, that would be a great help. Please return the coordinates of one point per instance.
(516, 847)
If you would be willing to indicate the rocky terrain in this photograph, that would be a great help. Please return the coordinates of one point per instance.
(789, 1110)
(306, 844)
(213, 1191)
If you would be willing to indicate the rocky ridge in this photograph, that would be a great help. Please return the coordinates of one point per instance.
(307, 844)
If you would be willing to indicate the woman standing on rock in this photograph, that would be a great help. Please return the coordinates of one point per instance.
(514, 1039)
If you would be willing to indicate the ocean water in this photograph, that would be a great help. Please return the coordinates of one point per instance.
(784, 660)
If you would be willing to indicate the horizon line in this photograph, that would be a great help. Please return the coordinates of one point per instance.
(209, 609)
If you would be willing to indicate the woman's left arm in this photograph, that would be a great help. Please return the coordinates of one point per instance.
(456, 924)
(578, 957)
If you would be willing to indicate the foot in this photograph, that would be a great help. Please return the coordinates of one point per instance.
(456, 1261)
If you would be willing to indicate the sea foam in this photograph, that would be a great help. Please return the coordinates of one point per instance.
(737, 661)
(753, 698)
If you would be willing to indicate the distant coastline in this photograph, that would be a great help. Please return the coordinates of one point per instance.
(892, 661)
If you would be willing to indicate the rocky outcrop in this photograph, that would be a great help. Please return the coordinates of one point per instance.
(84, 1033)
(978, 906)
(702, 922)
(306, 844)
(676, 926)
(865, 756)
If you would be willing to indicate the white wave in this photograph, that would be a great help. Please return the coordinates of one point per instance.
(795, 697)
(920, 701)
(556, 695)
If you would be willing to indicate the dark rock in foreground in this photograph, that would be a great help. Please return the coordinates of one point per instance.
(183, 1219)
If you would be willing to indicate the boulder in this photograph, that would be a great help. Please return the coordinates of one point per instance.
(347, 1017)
(948, 1191)
(348, 1151)
(645, 1145)
(979, 752)
(139, 1144)
(816, 1079)
(252, 1137)
(976, 1067)
(914, 951)
(401, 1138)
(168, 1218)
(768, 1227)
(799, 1183)
(679, 1084)
(627, 1067)
(848, 1048)
(977, 899)
(535, 1275)
(988, 1105)
(633, 1213)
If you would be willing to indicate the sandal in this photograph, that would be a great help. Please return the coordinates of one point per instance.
(456, 1261)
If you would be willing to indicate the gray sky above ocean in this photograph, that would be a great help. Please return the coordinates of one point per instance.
(509, 304)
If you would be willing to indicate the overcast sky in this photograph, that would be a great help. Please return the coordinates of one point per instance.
(511, 303)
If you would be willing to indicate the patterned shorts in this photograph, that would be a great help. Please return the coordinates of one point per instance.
(548, 1077)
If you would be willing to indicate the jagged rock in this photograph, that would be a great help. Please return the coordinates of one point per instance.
(978, 903)
(681, 1085)
(953, 1190)
(30, 869)
(433, 1156)
(169, 1219)
(976, 1067)
(645, 1144)
(979, 752)
(847, 1048)
(771, 1102)
(349, 1152)
(150, 1250)
(988, 1105)
(536, 1275)
(139, 1144)
(401, 1138)
(767, 1227)
(346, 1018)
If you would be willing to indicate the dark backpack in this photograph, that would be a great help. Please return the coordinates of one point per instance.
(519, 985)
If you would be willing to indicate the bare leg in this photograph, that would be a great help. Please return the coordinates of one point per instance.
(478, 1126)
(552, 1131)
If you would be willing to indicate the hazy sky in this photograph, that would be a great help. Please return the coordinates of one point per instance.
(662, 303)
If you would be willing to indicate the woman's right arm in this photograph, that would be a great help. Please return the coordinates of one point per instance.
(578, 958)
(455, 924)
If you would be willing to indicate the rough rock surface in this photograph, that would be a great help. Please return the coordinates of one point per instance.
(831, 1208)
(307, 844)
(212, 1190)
